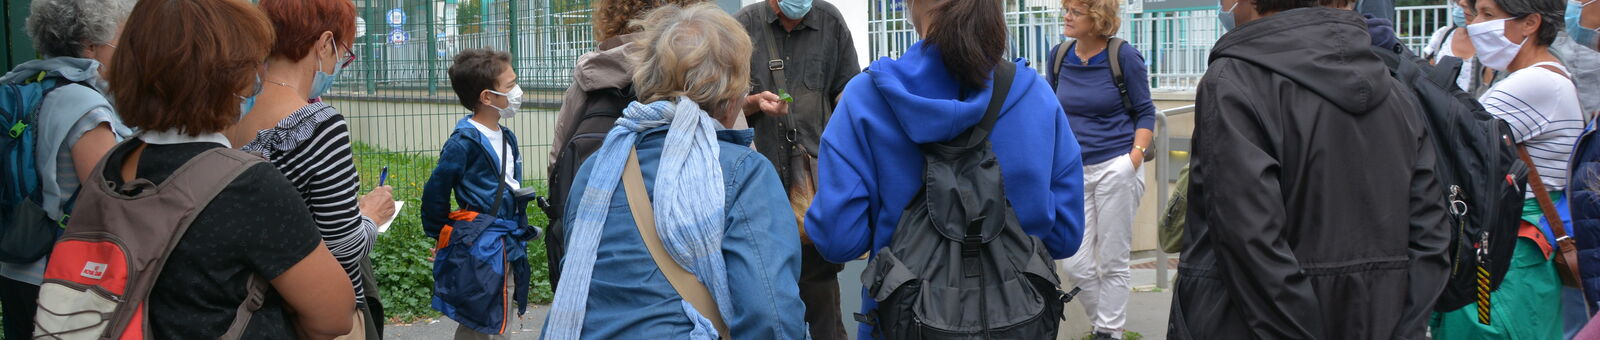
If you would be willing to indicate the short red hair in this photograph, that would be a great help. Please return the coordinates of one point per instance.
(300, 23)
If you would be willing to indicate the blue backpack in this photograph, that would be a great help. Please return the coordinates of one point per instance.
(26, 232)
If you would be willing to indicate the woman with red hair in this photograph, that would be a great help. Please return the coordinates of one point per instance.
(310, 142)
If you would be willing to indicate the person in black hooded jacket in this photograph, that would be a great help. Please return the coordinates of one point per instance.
(1314, 210)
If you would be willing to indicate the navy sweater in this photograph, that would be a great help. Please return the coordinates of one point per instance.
(1094, 109)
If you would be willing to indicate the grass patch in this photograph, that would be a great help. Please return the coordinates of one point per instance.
(400, 257)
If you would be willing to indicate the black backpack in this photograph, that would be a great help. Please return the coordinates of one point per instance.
(1478, 168)
(602, 108)
(959, 265)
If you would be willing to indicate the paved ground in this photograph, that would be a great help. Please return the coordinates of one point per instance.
(1147, 311)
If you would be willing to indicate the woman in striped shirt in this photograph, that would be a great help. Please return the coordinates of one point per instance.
(1538, 100)
(310, 143)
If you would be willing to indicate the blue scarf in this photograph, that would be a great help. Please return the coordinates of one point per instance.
(689, 203)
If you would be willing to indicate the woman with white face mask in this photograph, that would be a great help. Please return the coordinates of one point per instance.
(1538, 100)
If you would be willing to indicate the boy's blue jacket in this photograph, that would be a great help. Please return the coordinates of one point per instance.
(463, 170)
(870, 166)
(470, 271)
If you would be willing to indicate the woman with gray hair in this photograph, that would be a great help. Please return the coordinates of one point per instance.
(719, 212)
(1537, 99)
(76, 126)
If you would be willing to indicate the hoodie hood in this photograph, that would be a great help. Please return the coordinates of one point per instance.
(1327, 51)
(929, 104)
(607, 67)
(79, 70)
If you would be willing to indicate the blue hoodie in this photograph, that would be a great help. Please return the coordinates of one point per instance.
(869, 165)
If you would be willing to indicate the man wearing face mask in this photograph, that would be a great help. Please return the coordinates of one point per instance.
(1536, 97)
(310, 142)
(804, 55)
(1314, 210)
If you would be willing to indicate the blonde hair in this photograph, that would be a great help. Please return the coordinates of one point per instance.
(1103, 13)
(696, 51)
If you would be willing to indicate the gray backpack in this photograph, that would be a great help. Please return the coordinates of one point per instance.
(959, 265)
(98, 282)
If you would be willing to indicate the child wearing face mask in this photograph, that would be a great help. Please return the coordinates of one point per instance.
(481, 264)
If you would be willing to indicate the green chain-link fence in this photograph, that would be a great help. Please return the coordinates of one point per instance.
(397, 95)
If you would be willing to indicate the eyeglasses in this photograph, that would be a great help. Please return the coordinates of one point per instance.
(349, 54)
(1073, 13)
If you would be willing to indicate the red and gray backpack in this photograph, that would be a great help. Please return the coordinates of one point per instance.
(101, 272)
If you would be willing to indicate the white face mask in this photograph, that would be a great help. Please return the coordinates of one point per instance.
(1494, 50)
(513, 102)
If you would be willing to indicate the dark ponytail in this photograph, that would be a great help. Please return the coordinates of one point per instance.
(971, 36)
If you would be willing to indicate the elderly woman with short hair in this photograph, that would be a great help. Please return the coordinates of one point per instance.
(719, 211)
(76, 126)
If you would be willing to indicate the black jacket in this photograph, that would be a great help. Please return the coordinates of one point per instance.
(1314, 211)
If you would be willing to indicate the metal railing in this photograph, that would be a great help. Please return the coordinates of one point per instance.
(1175, 43)
(1163, 194)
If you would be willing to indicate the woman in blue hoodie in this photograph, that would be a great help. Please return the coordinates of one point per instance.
(870, 165)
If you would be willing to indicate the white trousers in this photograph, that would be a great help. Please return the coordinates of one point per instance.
(1111, 197)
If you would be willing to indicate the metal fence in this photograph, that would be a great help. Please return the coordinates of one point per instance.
(1175, 43)
(398, 100)
(397, 95)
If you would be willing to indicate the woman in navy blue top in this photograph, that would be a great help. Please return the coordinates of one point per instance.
(1114, 137)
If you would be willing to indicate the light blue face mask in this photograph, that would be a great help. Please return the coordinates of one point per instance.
(247, 103)
(795, 9)
(1588, 37)
(321, 82)
(1458, 16)
(1226, 16)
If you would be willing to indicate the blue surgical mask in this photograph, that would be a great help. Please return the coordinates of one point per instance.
(795, 9)
(1226, 16)
(247, 103)
(1458, 16)
(321, 82)
(1588, 37)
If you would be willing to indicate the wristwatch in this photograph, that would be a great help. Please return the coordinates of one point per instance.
(1141, 149)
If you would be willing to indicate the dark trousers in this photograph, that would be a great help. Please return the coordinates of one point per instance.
(819, 290)
(19, 301)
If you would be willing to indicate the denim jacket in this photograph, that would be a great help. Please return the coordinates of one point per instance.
(464, 170)
(629, 297)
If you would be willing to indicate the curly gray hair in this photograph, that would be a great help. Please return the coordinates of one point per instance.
(63, 28)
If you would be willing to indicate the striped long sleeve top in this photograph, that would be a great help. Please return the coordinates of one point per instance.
(312, 148)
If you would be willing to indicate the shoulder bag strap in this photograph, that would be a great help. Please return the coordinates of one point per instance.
(1566, 247)
(775, 65)
(500, 175)
(682, 281)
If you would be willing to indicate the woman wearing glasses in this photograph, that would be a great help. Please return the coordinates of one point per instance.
(310, 142)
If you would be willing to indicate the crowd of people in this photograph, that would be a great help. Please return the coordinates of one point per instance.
(711, 172)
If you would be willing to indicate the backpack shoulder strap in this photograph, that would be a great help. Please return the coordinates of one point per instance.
(681, 279)
(1439, 47)
(205, 177)
(1445, 72)
(1004, 75)
(1114, 55)
(1060, 57)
